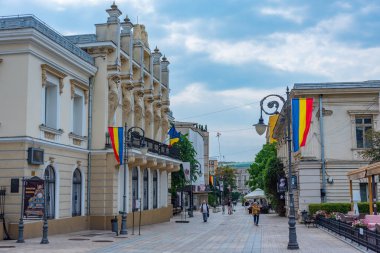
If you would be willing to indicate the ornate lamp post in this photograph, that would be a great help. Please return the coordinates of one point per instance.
(133, 133)
(260, 129)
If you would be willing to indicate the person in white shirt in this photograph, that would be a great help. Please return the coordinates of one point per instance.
(204, 210)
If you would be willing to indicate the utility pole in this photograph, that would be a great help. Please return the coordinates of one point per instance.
(218, 136)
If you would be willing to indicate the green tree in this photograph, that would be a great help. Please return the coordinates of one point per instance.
(257, 169)
(274, 169)
(372, 154)
(264, 174)
(228, 177)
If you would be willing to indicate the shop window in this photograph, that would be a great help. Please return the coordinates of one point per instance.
(77, 193)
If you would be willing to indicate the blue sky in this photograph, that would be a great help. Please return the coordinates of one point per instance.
(231, 53)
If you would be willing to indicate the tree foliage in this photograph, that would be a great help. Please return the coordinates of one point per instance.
(187, 153)
(257, 169)
(264, 174)
(372, 154)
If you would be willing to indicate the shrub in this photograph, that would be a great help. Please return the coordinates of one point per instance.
(339, 207)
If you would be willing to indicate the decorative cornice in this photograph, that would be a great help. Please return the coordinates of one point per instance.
(46, 68)
(75, 83)
(30, 21)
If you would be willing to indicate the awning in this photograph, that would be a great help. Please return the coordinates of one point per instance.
(363, 172)
(256, 194)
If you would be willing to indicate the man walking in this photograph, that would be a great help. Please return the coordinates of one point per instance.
(204, 210)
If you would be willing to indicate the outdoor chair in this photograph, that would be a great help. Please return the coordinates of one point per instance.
(310, 220)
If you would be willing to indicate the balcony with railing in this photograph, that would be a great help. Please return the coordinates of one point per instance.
(154, 147)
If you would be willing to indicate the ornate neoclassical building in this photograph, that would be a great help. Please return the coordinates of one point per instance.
(59, 94)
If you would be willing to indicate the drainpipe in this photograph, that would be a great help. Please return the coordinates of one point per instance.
(89, 142)
(323, 161)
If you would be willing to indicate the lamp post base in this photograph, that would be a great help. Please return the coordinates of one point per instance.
(293, 246)
(123, 227)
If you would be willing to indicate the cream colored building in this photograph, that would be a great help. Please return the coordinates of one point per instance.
(60, 94)
(334, 141)
(199, 137)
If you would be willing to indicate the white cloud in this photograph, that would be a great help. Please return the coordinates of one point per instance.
(343, 5)
(231, 112)
(315, 50)
(293, 14)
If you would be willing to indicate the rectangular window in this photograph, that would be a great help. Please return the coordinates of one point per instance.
(363, 125)
(363, 192)
(51, 106)
(78, 105)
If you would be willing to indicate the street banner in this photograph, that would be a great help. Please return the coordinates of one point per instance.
(221, 186)
(34, 198)
(186, 170)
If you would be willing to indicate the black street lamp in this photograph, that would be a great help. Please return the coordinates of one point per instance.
(260, 128)
(131, 135)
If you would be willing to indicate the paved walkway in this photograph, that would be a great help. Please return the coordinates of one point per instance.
(221, 234)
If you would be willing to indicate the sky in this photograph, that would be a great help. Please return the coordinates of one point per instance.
(226, 55)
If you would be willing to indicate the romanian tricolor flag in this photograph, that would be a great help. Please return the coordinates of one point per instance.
(116, 136)
(173, 136)
(302, 109)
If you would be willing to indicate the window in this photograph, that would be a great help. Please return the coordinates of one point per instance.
(155, 189)
(79, 95)
(52, 83)
(50, 192)
(77, 193)
(363, 125)
(78, 106)
(51, 105)
(135, 187)
(363, 192)
(146, 188)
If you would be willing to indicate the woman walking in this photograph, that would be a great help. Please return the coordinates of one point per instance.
(256, 213)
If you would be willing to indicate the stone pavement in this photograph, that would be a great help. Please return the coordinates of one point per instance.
(221, 234)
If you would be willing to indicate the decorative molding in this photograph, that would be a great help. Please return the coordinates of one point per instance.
(362, 112)
(29, 21)
(51, 130)
(80, 85)
(77, 137)
(48, 69)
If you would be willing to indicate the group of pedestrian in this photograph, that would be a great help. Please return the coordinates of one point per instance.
(255, 209)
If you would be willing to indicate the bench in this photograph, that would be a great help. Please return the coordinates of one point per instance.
(371, 220)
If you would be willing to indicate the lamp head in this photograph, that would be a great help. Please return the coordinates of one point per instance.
(260, 127)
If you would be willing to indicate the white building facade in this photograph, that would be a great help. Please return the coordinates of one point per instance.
(59, 95)
(334, 142)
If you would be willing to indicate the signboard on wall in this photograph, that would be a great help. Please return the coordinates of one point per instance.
(34, 198)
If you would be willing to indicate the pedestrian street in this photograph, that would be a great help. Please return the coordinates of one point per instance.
(221, 234)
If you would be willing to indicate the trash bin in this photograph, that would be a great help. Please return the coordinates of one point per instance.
(115, 225)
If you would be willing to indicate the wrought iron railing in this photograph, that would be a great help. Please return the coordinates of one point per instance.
(362, 236)
(153, 146)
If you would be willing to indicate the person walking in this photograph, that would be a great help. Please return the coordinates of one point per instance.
(229, 204)
(256, 213)
(204, 210)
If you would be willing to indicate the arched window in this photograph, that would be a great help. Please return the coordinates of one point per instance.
(146, 190)
(50, 192)
(135, 187)
(77, 193)
(155, 189)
